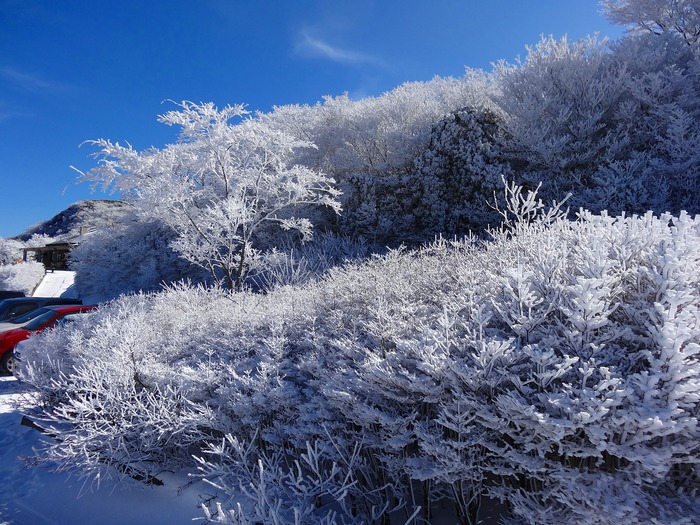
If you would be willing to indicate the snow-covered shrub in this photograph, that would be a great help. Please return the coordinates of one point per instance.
(129, 417)
(17, 275)
(603, 394)
(21, 277)
(275, 492)
(370, 145)
(131, 257)
(10, 251)
(613, 123)
(458, 174)
(296, 264)
(554, 367)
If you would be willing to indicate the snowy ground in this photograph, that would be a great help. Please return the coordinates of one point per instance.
(35, 496)
(56, 283)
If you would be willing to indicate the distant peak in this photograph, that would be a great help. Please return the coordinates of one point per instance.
(82, 216)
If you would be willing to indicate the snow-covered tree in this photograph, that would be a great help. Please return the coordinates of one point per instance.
(659, 118)
(657, 16)
(218, 186)
(615, 125)
(10, 251)
(370, 146)
(560, 106)
(133, 256)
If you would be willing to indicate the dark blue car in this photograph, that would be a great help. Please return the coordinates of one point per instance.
(11, 308)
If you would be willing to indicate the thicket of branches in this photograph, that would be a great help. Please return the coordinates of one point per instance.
(549, 359)
(554, 367)
(613, 123)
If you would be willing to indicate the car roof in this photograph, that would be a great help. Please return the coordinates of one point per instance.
(12, 300)
(63, 308)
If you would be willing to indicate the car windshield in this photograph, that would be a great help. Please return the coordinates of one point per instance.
(28, 316)
(70, 318)
(39, 322)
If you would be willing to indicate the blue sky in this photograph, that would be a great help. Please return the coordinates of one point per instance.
(74, 70)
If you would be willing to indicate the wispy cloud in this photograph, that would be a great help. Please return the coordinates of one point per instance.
(30, 82)
(9, 112)
(309, 45)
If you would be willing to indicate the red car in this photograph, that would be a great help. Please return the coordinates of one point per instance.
(48, 319)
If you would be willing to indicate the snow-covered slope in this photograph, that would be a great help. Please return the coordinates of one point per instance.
(91, 214)
(37, 496)
(57, 284)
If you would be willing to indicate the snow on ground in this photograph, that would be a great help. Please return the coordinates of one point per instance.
(32, 495)
(57, 283)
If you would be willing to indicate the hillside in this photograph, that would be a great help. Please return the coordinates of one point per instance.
(93, 214)
(542, 357)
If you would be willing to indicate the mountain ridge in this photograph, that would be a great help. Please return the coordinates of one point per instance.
(90, 214)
